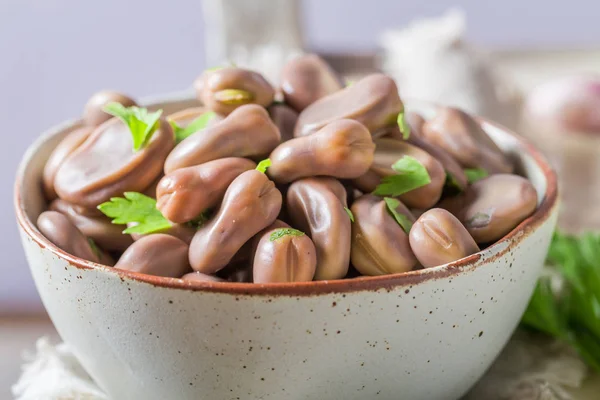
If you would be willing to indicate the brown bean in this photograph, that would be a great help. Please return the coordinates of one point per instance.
(343, 149)
(387, 152)
(157, 254)
(289, 257)
(316, 208)
(200, 277)
(60, 153)
(493, 206)
(106, 234)
(306, 79)
(225, 89)
(379, 244)
(185, 193)
(59, 229)
(105, 165)
(462, 136)
(373, 101)
(150, 191)
(285, 119)
(93, 113)
(246, 132)
(439, 238)
(251, 203)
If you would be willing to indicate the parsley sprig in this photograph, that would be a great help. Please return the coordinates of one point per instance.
(401, 219)
(572, 313)
(475, 174)
(281, 232)
(140, 122)
(135, 208)
(196, 125)
(410, 175)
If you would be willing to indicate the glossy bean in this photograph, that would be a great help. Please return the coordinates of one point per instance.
(288, 258)
(225, 89)
(493, 206)
(60, 153)
(342, 149)
(246, 132)
(157, 254)
(93, 113)
(317, 209)
(387, 152)
(184, 117)
(285, 119)
(105, 165)
(462, 136)
(59, 229)
(373, 101)
(439, 238)
(106, 234)
(380, 246)
(251, 203)
(306, 79)
(184, 194)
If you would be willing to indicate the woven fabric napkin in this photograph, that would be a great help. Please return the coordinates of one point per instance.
(531, 367)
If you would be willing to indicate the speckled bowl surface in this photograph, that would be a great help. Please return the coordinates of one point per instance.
(426, 334)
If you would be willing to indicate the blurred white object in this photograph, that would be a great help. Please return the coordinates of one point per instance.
(258, 34)
(430, 61)
(54, 373)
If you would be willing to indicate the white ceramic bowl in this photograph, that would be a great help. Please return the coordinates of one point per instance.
(426, 334)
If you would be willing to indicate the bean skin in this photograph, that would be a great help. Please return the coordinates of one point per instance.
(105, 165)
(462, 136)
(200, 277)
(251, 203)
(317, 209)
(285, 119)
(93, 113)
(380, 246)
(157, 254)
(439, 238)
(342, 149)
(213, 89)
(493, 206)
(246, 132)
(306, 79)
(185, 193)
(60, 153)
(373, 101)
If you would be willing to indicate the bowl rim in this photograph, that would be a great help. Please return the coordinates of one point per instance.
(362, 283)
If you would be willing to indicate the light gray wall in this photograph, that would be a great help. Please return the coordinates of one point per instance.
(55, 53)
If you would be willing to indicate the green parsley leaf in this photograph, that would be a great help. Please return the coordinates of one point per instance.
(475, 174)
(196, 125)
(201, 219)
(401, 219)
(141, 123)
(263, 165)
(349, 82)
(404, 126)
(411, 174)
(571, 313)
(135, 208)
(281, 232)
(349, 212)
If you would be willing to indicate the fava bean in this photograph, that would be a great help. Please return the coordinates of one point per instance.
(200, 277)
(306, 79)
(373, 101)
(93, 113)
(342, 149)
(251, 203)
(157, 254)
(246, 132)
(439, 238)
(285, 119)
(317, 209)
(380, 245)
(225, 89)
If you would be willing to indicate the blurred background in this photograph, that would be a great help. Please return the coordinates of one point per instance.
(503, 60)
